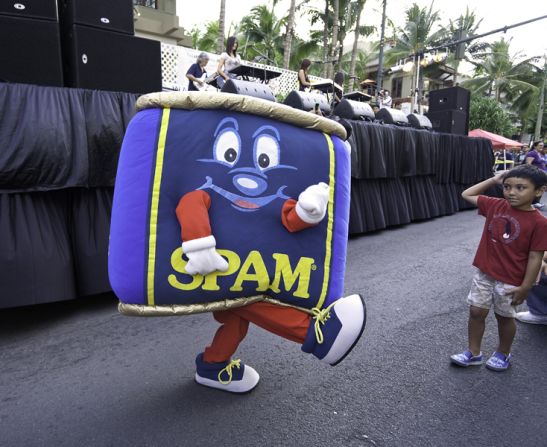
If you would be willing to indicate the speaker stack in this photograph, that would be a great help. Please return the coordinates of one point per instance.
(255, 89)
(449, 110)
(392, 116)
(354, 110)
(100, 50)
(30, 50)
(307, 101)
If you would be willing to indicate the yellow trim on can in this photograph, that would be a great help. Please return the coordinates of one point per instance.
(154, 206)
(330, 214)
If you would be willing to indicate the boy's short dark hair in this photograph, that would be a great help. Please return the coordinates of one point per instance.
(529, 172)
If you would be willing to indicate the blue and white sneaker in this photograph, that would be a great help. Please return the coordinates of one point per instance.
(466, 358)
(335, 330)
(232, 376)
(498, 362)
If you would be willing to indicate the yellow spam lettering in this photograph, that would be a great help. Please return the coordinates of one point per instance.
(253, 269)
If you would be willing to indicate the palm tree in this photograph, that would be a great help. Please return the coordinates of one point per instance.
(206, 41)
(360, 4)
(498, 74)
(288, 36)
(221, 20)
(262, 30)
(469, 24)
(335, 31)
(417, 35)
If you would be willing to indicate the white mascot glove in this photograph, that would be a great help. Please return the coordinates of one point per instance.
(202, 256)
(312, 203)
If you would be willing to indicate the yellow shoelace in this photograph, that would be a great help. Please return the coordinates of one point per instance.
(320, 316)
(228, 369)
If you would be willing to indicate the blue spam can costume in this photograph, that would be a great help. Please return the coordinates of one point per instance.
(247, 161)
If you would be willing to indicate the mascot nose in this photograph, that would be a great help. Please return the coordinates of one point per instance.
(250, 185)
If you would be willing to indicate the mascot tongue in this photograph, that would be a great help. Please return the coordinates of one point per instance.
(245, 204)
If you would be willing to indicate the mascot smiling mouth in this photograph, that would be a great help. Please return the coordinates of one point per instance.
(243, 203)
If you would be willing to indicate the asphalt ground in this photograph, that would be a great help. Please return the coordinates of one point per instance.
(79, 374)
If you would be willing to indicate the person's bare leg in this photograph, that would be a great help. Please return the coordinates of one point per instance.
(476, 325)
(506, 331)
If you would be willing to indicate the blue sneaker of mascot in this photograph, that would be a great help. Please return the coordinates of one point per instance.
(237, 206)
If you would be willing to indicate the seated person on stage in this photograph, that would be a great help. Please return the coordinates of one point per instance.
(303, 79)
(338, 79)
(196, 71)
(228, 61)
(537, 300)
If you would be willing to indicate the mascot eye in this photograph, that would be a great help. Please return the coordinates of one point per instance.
(227, 147)
(266, 152)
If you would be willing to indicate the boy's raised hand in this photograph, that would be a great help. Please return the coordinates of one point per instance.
(498, 176)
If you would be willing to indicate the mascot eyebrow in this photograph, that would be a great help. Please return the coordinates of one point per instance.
(226, 121)
(272, 129)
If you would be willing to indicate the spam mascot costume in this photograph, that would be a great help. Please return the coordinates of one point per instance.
(238, 206)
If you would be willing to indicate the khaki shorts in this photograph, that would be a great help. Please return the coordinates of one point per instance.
(486, 291)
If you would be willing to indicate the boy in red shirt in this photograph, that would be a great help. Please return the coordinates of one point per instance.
(508, 259)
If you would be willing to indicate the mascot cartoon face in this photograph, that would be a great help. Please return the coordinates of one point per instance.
(249, 163)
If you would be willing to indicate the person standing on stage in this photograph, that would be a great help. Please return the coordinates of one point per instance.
(303, 79)
(228, 61)
(385, 99)
(196, 71)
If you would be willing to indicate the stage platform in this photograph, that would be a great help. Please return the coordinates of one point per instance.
(58, 162)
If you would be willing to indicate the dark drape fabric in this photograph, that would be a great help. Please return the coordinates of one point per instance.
(53, 245)
(59, 151)
(54, 138)
(402, 174)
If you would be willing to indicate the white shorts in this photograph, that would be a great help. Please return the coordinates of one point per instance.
(486, 291)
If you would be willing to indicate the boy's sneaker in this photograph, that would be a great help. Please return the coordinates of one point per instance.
(529, 317)
(335, 330)
(498, 362)
(232, 376)
(466, 358)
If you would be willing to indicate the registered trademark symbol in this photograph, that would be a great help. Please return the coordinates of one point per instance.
(314, 267)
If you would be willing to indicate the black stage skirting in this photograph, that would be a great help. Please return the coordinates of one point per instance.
(58, 158)
(400, 174)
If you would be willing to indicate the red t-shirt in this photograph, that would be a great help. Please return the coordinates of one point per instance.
(508, 237)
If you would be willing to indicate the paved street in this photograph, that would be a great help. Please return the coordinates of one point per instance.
(80, 374)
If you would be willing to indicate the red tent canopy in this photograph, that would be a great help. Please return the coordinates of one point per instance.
(498, 142)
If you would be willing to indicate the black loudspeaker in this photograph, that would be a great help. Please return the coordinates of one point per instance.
(392, 116)
(354, 110)
(307, 101)
(419, 121)
(453, 98)
(102, 60)
(449, 121)
(30, 51)
(112, 15)
(39, 9)
(248, 88)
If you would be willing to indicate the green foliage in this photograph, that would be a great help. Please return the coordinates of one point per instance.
(206, 41)
(487, 114)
